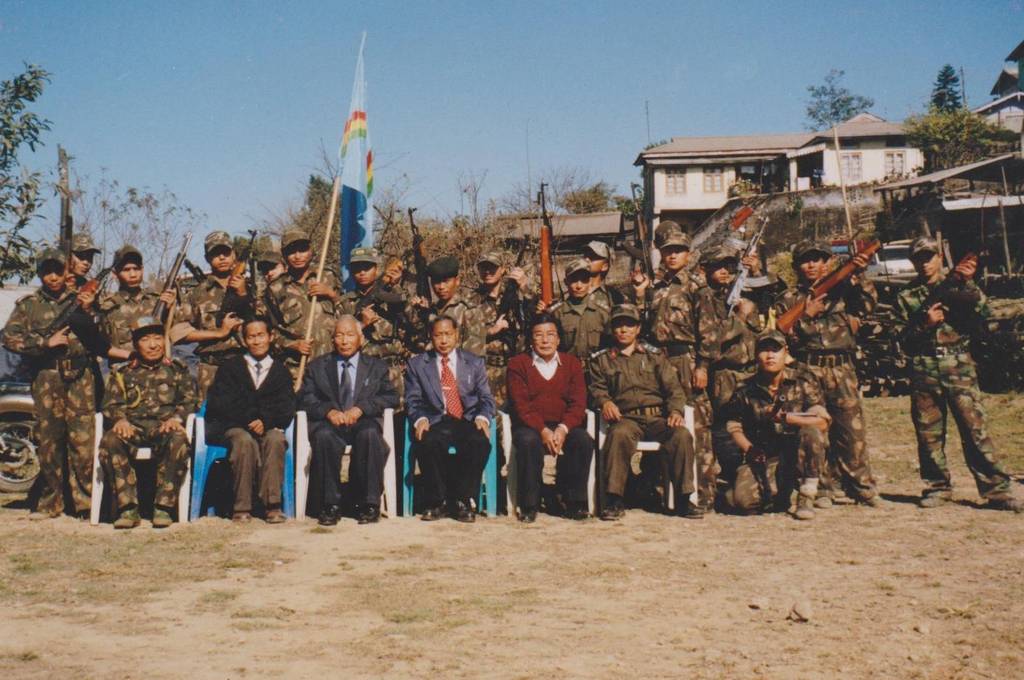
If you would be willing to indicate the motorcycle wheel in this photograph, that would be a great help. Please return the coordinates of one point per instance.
(19, 460)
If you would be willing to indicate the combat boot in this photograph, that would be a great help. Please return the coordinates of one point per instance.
(129, 519)
(1008, 503)
(804, 508)
(823, 502)
(933, 501)
(161, 518)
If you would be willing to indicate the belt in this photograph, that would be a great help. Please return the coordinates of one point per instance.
(68, 364)
(645, 411)
(678, 349)
(827, 359)
(496, 360)
(945, 350)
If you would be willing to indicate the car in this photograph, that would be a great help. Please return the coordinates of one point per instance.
(892, 261)
(19, 460)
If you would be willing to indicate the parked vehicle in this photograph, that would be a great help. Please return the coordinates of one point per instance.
(892, 262)
(19, 461)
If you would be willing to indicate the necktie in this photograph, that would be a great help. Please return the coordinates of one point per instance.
(259, 369)
(346, 387)
(452, 401)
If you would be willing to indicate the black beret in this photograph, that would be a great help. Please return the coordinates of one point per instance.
(443, 268)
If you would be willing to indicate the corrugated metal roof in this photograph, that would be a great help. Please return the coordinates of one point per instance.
(948, 173)
(1017, 53)
(592, 224)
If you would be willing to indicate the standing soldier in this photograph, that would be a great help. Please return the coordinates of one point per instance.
(449, 300)
(825, 339)
(130, 301)
(83, 252)
(267, 253)
(147, 403)
(582, 317)
(64, 388)
(934, 316)
(288, 300)
(599, 255)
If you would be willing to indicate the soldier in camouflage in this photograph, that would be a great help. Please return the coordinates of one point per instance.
(288, 301)
(269, 266)
(83, 252)
(638, 392)
(147, 402)
(599, 255)
(582, 317)
(449, 300)
(130, 301)
(197, 318)
(825, 339)
(943, 378)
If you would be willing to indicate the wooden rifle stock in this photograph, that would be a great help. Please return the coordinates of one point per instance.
(547, 288)
(172, 276)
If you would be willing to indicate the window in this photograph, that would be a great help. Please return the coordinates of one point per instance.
(895, 163)
(713, 181)
(852, 167)
(675, 181)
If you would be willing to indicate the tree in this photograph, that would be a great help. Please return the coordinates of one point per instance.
(589, 199)
(946, 93)
(19, 188)
(956, 137)
(831, 103)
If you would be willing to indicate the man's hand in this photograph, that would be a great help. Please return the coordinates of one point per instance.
(336, 418)
(58, 339)
(755, 456)
(124, 429)
(419, 301)
(230, 322)
(499, 325)
(936, 315)
(236, 282)
(700, 378)
(321, 290)
(675, 419)
(274, 273)
(518, 275)
(369, 315)
(169, 297)
(745, 308)
(352, 415)
(860, 261)
(560, 434)
(752, 263)
(815, 306)
(256, 427)
(547, 437)
(640, 282)
(172, 424)
(420, 428)
(484, 426)
(85, 299)
(541, 307)
(967, 269)
(610, 412)
(303, 347)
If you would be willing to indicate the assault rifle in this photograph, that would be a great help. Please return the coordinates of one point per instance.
(160, 309)
(82, 324)
(511, 307)
(547, 289)
(197, 273)
(949, 292)
(640, 249)
(67, 222)
(419, 259)
(234, 303)
(744, 272)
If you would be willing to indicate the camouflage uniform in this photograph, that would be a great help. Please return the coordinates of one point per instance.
(289, 305)
(584, 326)
(117, 310)
(267, 250)
(471, 320)
(65, 392)
(199, 312)
(827, 344)
(147, 395)
(943, 378)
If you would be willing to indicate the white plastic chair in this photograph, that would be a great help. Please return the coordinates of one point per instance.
(304, 454)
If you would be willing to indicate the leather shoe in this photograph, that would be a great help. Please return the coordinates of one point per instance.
(528, 516)
(432, 514)
(275, 516)
(369, 515)
(614, 512)
(692, 511)
(577, 511)
(329, 516)
(463, 513)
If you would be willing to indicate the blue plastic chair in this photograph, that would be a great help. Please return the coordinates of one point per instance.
(206, 456)
(488, 499)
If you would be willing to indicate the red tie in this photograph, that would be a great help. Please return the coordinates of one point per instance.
(452, 402)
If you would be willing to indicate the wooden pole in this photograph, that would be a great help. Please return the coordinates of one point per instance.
(313, 306)
(842, 187)
(1002, 219)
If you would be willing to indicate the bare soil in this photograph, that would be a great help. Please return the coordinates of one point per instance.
(894, 592)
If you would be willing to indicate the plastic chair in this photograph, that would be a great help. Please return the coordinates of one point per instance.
(512, 483)
(142, 453)
(655, 447)
(206, 455)
(487, 501)
(304, 454)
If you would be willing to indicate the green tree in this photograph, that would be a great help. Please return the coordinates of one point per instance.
(946, 93)
(831, 103)
(956, 137)
(594, 198)
(19, 188)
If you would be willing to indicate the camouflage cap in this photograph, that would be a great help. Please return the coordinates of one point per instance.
(443, 268)
(665, 229)
(144, 325)
(49, 253)
(291, 236)
(626, 311)
(266, 249)
(216, 239)
(924, 244)
(367, 255)
(717, 253)
(808, 246)
(771, 337)
(82, 243)
(576, 266)
(672, 238)
(599, 248)
(123, 253)
(491, 257)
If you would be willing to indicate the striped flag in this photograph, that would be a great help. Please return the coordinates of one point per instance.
(356, 176)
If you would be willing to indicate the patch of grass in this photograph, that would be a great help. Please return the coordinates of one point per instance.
(215, 599)
(320, 530)
(408, 617)
(23, 657)
(277, 613)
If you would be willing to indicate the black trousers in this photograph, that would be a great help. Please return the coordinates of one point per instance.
(571, 471)
(447, 477)
(366, 467)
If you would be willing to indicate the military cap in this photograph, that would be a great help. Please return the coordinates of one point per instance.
(443, 268)
(266, 249)
(674, 237)
(580, 265)
(626, 311)
(49, 253)
(599, 248)
(216, 239)
(808, 246)
(769, 337)
(123, 253)
(717, 254)
(143, 325)
(924, 244)
(82, 243)
(367, 255)
(490, 256)
(291, 236)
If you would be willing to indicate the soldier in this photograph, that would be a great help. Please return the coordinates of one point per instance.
(582, 316)
(147, 401)
(65, 386)
(825, 338)
(638, 392)
(288, 300)
(130, 301)
(599, 255)
(449, 300)
(83, 252)
(778, 419)
(269, 266)
(934, 318)
(380, 312)
(200, 318)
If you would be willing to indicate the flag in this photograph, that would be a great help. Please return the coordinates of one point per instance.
(356, 176)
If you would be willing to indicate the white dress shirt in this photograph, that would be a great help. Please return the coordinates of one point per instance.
(453, 361)
(547, 369)
(264, 368)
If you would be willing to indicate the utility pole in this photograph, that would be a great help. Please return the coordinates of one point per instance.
(647, 114)
(963, 87)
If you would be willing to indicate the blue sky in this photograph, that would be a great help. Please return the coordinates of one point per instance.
(228, 103)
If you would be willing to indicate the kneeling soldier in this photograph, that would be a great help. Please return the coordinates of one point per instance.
(639, 393)
(778, 420)
(147, 400)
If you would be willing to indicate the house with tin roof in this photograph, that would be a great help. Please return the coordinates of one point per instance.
(1007, 107)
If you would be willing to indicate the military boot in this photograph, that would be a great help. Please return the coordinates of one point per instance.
(161, 518)
(805, 502)
(129, 519)
(933, 501)
(1009, 503)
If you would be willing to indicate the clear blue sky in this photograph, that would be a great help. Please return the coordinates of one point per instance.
(228, 103)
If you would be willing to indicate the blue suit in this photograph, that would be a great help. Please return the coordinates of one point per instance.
(423, 396)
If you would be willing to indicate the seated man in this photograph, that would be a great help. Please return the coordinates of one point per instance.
(449, 402)
(147, 400)
(344, 394)
(548, 397)
(778, 420)
(639, 394)
(249, 406)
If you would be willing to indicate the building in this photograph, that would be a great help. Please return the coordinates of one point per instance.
(1007, 109)
(689, 178)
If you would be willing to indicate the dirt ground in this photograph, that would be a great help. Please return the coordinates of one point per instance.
(894, 592)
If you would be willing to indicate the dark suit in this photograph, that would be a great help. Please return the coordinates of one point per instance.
(446, 477)
(233, 401)
(373, 392)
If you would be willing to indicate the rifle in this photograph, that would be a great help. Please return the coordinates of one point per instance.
(160, 309)
(419, 258)
(786, 322)
(197, 273)
(511, 307)
(640, 250)
(67, 222)
(234, 303)
(743, 273)
(757, 459)
(949, 292)
(547, 291)
(83, 325)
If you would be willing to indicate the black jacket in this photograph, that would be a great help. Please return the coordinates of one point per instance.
(320, 389)
(233, 401)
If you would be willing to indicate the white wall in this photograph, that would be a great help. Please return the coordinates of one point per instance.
(872, 162)
(694, 198)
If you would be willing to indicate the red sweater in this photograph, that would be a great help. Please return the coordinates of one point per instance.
(535, 402)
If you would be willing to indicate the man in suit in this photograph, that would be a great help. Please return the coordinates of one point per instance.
(449, 402)
(344, 393)
(249, 405)
(548, 397)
